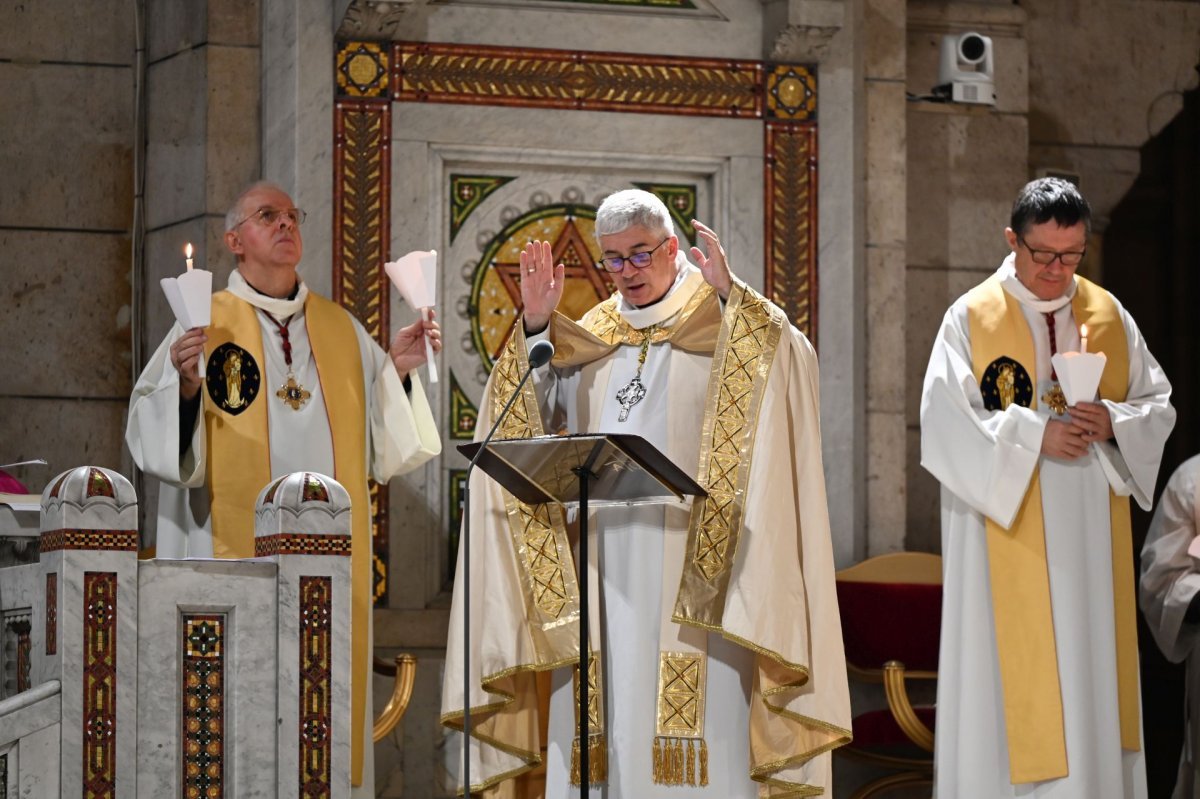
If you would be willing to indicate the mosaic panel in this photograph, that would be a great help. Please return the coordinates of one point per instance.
(293, 544)
(463, 413)
(362, 69)
(316, 606)
(681, 203)
(466, 194)
(475, 74)
(791, 218)
(21, 628)
(361, 232)
(118, 540)
(52, 613)
(683, 4)
(791, 92)
(99, 484)
(379, 542)
(99, 685)
(540, 78)
(203, 715)
(495, 301)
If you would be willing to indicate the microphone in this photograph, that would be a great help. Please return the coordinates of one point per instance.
(539, 355)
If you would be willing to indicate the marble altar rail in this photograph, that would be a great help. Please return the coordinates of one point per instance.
(122, 677)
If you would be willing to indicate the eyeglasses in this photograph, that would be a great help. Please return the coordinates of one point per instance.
(1046, 257)
(269, 216)
(615, 263)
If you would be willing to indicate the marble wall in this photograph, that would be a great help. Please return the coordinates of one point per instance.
(66, 156)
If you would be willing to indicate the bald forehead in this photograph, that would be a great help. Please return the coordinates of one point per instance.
(256, 199)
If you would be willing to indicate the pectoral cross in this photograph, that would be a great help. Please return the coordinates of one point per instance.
(293, 394)
(631, 395)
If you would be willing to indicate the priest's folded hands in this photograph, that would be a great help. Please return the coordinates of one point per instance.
(1089, 423)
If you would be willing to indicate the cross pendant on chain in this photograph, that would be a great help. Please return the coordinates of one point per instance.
(631, 395)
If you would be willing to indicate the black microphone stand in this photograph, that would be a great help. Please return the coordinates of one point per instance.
(539, 355)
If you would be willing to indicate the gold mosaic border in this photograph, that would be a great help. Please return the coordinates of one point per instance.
(370, 77)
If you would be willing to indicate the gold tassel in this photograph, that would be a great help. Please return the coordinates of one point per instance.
(678, 762)
(656, 761)
(691, 763)
(576, 778)
(598, 760)
(703, 763)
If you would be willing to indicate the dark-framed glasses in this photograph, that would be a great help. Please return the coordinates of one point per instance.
(1046, 257)
(269, 216)
(615, 263)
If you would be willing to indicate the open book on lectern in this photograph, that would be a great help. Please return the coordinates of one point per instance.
(625, 469)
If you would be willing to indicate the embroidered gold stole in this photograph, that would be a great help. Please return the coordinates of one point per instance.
(238, 458)
(1020, 582)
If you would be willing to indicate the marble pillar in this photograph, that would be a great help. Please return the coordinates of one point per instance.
(89, 551)
(302, 524)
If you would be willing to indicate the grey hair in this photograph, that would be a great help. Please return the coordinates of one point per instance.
(236, 214)
(624, 209)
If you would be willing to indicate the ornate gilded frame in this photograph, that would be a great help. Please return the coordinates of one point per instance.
(373, 78)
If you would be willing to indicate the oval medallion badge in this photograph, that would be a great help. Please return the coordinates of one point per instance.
(233, 378)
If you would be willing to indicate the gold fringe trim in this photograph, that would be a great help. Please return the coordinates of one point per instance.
(597, 760)
(671, 765)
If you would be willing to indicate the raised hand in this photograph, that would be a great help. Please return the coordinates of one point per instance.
(541, 285)
(185, 357)
(408, 346)
(714, 266)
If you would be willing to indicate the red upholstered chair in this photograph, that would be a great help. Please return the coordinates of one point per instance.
(891, 609)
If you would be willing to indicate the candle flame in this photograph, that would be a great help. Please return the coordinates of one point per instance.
(187, 250)
(1083, 330)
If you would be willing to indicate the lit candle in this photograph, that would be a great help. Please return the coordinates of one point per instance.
(187, 254)
(1083, 338)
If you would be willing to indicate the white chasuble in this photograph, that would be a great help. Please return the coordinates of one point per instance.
(637, 561)
(985, 461)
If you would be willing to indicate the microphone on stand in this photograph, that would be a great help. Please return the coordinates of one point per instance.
(539, 355)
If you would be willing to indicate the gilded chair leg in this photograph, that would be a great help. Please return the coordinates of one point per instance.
(406, 674)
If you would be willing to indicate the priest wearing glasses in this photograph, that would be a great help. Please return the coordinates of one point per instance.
(717, 663)
(1038, 685)
(293, 382)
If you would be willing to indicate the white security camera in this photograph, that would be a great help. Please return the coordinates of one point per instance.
(966, 70)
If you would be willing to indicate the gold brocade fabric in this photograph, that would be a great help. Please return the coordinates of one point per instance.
(740, 369)
(538, 531)
(1019, 577)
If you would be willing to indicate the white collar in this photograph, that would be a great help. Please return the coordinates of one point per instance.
(279, 308)
(1007, 273)
(687, 280)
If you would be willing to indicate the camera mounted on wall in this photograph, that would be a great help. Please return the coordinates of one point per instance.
(966, 70)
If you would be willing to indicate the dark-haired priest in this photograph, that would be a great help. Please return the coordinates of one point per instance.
(1038, 691)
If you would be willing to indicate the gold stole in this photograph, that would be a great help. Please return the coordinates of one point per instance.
(1020, 581)
(238, 462)
(743, 343)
